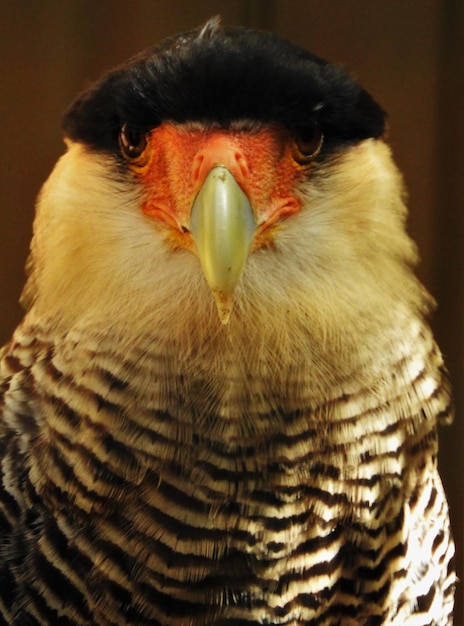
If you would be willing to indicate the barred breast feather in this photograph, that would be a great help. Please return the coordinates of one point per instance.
(135, 493)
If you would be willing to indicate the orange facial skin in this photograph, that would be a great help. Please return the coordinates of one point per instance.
(178, 158)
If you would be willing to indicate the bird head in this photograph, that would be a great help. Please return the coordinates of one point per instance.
(224, 170)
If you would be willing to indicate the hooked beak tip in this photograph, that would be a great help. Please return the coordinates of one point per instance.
(224, 306)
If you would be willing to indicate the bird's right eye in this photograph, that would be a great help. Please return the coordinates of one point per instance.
(308, 144)
(132, 142)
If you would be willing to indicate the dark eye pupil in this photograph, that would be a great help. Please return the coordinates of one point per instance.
(132, 140)
(309, 141)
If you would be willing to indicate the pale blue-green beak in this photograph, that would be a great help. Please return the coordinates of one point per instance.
(223, 226)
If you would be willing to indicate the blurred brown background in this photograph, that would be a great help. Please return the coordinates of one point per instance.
(408, 54)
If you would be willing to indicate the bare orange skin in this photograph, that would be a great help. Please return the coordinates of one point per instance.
(178, 158)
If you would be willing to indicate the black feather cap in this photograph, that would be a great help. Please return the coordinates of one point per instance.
(219, 75)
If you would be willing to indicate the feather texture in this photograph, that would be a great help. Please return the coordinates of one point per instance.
(160, 468)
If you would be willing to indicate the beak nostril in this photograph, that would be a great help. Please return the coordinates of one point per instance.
(241, 163)
(198, 162)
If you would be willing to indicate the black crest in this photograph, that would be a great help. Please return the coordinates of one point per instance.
(217, 74)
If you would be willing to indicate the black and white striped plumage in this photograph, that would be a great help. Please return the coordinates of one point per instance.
(161, 467)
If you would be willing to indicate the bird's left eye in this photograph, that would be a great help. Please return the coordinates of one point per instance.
(132, 141)
(308, 144)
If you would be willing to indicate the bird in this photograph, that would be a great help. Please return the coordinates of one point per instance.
(221, 406)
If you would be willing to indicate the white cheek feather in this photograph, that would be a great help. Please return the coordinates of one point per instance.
(342, 268)
(97, 256)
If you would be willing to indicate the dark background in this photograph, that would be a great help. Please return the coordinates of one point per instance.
(408, 54)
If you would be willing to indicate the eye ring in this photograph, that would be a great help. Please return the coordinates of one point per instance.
(308, 143)
(132, 142)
